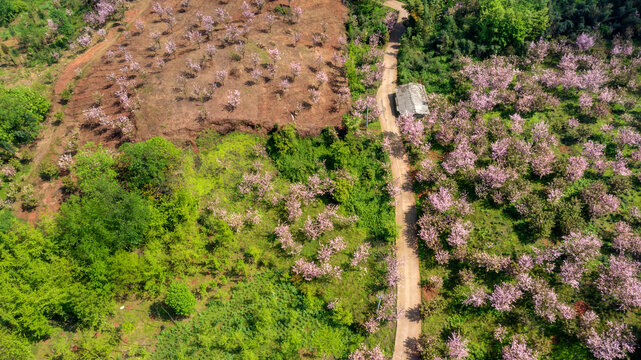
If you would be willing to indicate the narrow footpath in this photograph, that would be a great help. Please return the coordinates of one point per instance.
(408, 325)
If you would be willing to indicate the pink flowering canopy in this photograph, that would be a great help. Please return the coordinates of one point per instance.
(547, 151)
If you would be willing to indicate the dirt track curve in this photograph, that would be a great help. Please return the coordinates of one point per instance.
(408, 325)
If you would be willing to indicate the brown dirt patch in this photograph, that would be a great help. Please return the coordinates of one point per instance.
(428, 293)
(167, 108)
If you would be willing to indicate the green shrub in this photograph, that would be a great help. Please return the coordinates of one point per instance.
(26, 156)
(9, 9)
(180, 299)
(13, 346)
(570, 216)
(342, 316)
(504, 23)
(58, 116)
(29, 201)
(342, 189)
(223, 235)
(283, 140)
(66, 94)
(253, 254)
(540, 218)
(108, 219)
(149, 165)
(69, 184)
(21, 112)
(48, 170)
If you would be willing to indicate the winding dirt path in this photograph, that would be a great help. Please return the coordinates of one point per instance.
(408, 325)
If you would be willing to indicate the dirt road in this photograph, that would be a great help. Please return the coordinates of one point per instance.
(408, 325)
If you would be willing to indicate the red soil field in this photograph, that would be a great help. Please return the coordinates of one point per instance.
(165, 106)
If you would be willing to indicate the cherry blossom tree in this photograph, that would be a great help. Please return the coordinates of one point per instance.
(296, 14)
(233, 99)
(518, 350)
(295, 69)
(504, 296)
(477, 297)
(620, 280)
(585, 42)
(65, 162)
(457, 346)
(625, 240)
(344, 96)
(286, 240)
(296, 38)
(363, 353)
(360, 255)
(462, 158)
(615, 342)
(269, 20)
(170, 47)
(314, 96)
(412, 129)
(393, 276)
(248, 15)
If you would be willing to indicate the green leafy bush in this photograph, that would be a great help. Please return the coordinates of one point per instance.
(48, 170)
(27, 21)
(21, 112)
(13, 346)
(66, 94)
(572, 17)
(149, 165)
(9, 9)
(264, 318)
(58, 116)
(180, 299)
(504, 23)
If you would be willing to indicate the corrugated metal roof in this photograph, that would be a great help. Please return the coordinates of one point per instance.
(411, 98)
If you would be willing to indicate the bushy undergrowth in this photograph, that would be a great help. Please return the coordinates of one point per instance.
(315, 215)
(264, 318)
(44, 29)
(21, 112)
(529, 183)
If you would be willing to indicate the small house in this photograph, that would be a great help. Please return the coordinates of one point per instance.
(412, 98)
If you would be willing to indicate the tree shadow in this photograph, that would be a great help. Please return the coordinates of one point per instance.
(159, 311)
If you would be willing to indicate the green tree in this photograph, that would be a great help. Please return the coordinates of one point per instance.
(283, 140)
(570, 216)
(21, 112)
(506, 23)
(92, 163)
(9, 9)
(149, 165)
(13, 347)
(33, 280)
(180, 299)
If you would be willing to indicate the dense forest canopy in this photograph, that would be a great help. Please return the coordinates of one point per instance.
(527, 171)
(441, 31)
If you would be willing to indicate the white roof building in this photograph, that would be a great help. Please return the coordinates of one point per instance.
(412, 98)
